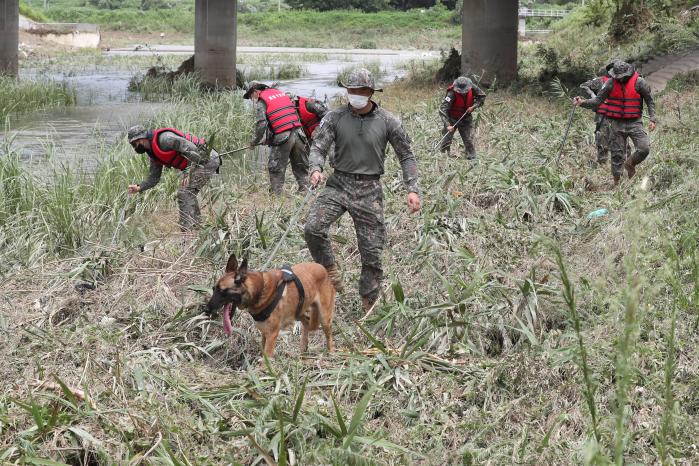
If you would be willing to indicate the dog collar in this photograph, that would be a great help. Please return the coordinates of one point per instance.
(287, 276)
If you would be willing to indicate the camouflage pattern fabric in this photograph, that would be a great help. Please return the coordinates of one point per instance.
(284, 147)
(621, 132)
(465, 130)
(602, 135)
(361, 78)
(192, 181)
(363, 199)
(295, 150)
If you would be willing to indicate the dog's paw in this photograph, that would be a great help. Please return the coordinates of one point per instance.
(297, 328)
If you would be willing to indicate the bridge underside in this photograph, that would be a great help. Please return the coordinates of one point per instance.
(9, 36)
(489, 40)
(215, 41)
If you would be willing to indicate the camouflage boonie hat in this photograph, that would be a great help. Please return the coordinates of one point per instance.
(462, 84)
(621, 70)
(360, 78)
(611, 63)
(136, 132)
(253, 86)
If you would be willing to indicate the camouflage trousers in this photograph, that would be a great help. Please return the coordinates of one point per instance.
(621, 132)
(602, 135)
(363, 199)
(465, 129)
(193, 180)
(294, 149)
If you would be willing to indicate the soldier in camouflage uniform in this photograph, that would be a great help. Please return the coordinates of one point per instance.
(621, 99)
(287, 141)
(168, 147)
(602, 124)
(360, 132)
(462, 97)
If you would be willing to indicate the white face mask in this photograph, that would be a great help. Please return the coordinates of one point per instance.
(358, 101)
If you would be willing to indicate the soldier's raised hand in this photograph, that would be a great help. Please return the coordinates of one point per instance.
(651, 126)
(577, 101)
(133, 189)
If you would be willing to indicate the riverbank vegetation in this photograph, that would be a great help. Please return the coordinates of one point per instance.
(515, 327)
(22, 95)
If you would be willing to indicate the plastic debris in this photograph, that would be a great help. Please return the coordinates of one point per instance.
(597, 213)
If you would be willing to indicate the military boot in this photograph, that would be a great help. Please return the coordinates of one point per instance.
(335, 277)
(630, 167)
(367, 303)
(616, 180)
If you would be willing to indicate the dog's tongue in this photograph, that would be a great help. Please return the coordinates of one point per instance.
(227, 327)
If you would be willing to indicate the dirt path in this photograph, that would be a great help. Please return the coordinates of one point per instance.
(660, 70)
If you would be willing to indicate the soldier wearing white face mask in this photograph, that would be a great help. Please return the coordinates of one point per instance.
(361, 132)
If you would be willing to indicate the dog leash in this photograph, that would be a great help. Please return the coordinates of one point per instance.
(292, 221)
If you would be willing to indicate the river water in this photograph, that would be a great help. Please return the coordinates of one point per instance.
(105, 108)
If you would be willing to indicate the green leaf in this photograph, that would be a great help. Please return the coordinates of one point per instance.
(398, 292)
(377, 344)
(358, 415)
(338, 414)
(32, 460)
(388, 445)
(205, 289)
(85, 437)
(299, 400)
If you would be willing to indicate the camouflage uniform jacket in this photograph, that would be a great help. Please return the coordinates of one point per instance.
(170, 141)
(642, 87)
(260, 134)
(360, 143)
(478, 101)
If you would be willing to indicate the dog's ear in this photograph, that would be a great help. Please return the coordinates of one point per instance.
(232, 264)
(243, 271)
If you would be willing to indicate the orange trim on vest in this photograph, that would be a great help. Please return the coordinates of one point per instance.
(309, 120)
(171, 158)
(461, 103)
(281, 112)
(624, 102)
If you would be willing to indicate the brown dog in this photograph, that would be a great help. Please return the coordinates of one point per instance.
(276, 299)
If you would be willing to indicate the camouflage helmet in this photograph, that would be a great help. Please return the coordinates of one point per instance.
(610, 65)
(253, 86)
(360, 78)
(621, 70)
(462, 84)
(136, 132)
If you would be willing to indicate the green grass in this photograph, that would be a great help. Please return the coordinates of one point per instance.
(20, 95)
(488, 349)
(433, 29)
(32, 13)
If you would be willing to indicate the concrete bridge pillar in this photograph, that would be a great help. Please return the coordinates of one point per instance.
(215, 41)
(489, 40)
(9, 36)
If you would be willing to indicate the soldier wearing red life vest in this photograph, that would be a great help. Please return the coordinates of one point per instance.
(621, 101)
(172, 148)
(602, 124)
(279, 127)
(310, 112)
(462, 97)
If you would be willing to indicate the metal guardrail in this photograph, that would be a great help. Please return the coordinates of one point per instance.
(542, 13)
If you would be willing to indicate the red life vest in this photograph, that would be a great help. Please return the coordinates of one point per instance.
(602, 109)
(461, 103)
(170, 158)
(624, 102)
(281, 112)
(309, 120)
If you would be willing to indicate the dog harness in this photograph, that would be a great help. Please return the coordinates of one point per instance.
(287, 276)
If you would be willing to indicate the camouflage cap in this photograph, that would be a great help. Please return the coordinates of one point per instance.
(136, 132)
(360, 78)
(253, 86)
(462, 84)
(621, 70)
